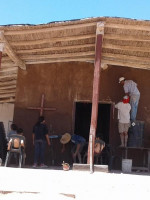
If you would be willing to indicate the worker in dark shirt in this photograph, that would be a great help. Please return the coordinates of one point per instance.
(40, 136)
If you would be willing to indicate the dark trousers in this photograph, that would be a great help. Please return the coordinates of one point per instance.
(39, 151)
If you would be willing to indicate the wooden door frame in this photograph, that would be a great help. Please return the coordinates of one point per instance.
(112, 109)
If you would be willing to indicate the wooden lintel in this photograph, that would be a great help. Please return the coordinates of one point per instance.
(11, 53)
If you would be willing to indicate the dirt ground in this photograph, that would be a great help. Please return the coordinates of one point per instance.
(56, 184)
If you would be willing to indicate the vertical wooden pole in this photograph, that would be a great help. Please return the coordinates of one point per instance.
(91, 158)
(96, 84)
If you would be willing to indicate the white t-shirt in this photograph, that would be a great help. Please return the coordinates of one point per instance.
(123, 112)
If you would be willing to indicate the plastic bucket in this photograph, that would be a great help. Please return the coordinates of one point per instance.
(126, 165)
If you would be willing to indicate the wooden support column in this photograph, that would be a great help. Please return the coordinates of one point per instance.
(1, 50)
(96, 84)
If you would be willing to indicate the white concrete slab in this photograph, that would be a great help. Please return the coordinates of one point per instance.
(49, 184)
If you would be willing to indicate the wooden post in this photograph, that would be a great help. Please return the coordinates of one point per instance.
(91, 157)
(96, 81)
(1, 50)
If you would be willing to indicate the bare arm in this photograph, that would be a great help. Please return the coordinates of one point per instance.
(77, 150)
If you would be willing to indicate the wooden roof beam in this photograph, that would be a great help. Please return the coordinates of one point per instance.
(10, 100)
(56, 60)
(77, 26)
(12, 69)
(8, 78)
(65, 55)
(127, 58)
(128, 27)
(8, 64)
(8, 83)
(7, 87)
(13, 90)
(130, 37)
(49, 29)
(52, 40)
(124, 63)
(29, 51)
(11, 53)
(128, 48)
(7, 95)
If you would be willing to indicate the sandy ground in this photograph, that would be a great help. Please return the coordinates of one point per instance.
(44, 184)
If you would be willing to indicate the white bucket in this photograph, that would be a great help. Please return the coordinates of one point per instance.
(126, 165)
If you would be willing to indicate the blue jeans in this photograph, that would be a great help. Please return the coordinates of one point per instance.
(39, 151)
(134, 101)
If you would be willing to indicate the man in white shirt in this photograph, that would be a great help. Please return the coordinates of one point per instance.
(124, 119)
(130, 89)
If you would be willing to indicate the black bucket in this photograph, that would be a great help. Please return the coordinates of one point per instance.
(136, 135)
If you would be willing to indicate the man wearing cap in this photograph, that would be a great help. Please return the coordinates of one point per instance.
(124, 119)
(78, 142)
(130, 89)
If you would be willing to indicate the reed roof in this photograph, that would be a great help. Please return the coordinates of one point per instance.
(126, 42)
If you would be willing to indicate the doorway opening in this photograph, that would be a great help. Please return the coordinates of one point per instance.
(83, 120)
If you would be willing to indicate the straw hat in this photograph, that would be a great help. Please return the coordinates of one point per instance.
(65, 138)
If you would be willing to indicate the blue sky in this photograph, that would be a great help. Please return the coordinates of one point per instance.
(45, 11)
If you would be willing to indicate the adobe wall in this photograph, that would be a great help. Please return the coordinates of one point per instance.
(6, 115)
(64, 83)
